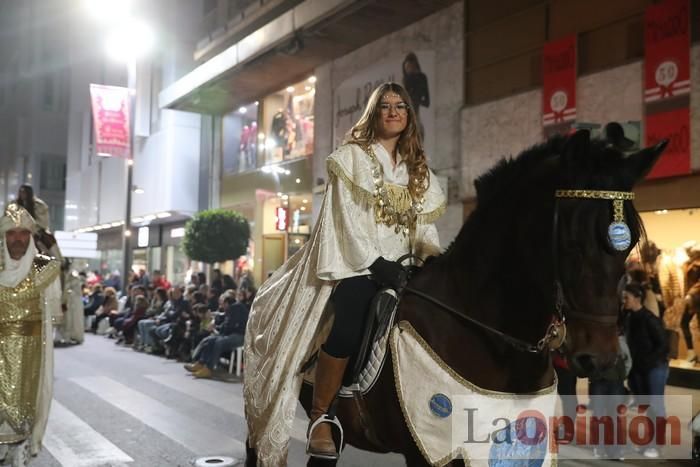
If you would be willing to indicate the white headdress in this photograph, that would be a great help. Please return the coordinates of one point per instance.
(13, 271)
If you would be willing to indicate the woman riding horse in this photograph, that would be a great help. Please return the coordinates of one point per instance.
(544, 248)
(380, 204)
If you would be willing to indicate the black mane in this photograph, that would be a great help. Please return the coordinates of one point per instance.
(545, 162)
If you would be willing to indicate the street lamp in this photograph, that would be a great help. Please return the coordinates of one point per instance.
(128, 39)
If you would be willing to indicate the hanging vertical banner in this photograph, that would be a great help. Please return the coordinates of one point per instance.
(667, 84)
(667, 50)
(559, 84)
(110, 112)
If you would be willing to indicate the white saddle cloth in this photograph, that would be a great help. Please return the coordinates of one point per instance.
(435, 402)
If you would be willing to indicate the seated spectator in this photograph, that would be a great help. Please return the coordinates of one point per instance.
(158, 303)
(176, 313)
(213, 299)
(95, 301)
(216, 279)
(128, 326)
(116, 321)
(159, 280)
(229, 283)
(109, 307)
(224, 340)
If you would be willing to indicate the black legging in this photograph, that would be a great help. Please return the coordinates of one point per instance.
(685, 326)
(351, 299)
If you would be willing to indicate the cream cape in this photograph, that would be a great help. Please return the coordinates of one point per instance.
(288, 320)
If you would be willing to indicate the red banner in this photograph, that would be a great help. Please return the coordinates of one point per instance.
(110, 112)
(667, 50)
(667, 84)
(559, 81)
(674, 125)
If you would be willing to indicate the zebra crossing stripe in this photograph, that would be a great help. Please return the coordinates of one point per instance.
(74, 443)
(163, 419)
(228, 399)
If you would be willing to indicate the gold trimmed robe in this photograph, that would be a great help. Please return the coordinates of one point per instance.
(26, 361)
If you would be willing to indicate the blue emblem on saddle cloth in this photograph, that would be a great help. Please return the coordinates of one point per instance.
(441, 405)
(521, 444)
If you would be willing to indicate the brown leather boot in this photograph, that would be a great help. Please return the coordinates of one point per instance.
(329, 376)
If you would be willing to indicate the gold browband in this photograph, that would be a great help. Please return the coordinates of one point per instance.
(594, 194)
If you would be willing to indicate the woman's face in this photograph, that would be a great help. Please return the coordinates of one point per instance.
(630, 302)
(23, 195)
(393, 115)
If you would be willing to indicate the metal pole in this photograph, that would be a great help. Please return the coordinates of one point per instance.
(126, 231)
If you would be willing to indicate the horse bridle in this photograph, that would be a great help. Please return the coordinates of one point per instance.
(556, 330)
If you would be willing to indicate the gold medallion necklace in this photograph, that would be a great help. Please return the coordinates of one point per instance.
(386, 209)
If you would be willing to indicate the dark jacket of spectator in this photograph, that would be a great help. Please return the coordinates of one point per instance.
(96, 300)
(647, 340)
(235, 320)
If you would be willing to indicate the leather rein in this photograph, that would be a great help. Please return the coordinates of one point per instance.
(556, 330)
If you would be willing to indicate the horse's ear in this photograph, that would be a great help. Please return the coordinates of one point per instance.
(576, 149)
(639, 164)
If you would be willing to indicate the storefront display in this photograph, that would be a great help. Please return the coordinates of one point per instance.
(240, 139)
(289, 122)
(296, 225)
(676, 236)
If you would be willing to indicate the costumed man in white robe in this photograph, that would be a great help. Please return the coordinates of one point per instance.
(30, 292)
(72, 330)
(380, 203)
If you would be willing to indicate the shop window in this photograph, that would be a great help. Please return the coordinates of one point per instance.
(240, 139)
(289, 122)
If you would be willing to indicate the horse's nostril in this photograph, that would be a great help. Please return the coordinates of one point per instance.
(585, 361)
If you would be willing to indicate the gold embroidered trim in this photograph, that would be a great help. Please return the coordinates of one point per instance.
(398, 195)
(359, 194)
(407, 327)
(432, 216)
(47, 270)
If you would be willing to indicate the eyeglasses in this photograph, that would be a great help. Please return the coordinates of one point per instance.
(400, 108)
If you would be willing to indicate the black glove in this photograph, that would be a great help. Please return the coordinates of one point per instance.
(389, 273)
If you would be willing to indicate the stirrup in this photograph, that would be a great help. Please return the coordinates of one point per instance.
(325, 419)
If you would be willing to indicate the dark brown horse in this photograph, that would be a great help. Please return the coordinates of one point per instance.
(519, 253)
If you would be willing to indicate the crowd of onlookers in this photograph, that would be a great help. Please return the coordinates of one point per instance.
(197, 322)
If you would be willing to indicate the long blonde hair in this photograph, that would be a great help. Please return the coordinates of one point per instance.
(364, 133)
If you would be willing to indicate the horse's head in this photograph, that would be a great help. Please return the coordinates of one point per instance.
(595, 226)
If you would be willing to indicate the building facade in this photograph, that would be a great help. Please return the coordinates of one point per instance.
(167, 184)
(34, 83)
(268, 74)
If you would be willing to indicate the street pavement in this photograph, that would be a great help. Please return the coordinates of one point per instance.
(116, 407)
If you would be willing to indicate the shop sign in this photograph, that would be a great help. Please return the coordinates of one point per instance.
(282, 218)
(559, 84)
(143, 235)
(110, 112)
(667, 84)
